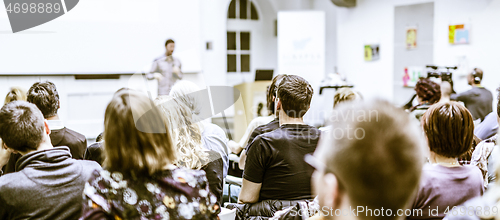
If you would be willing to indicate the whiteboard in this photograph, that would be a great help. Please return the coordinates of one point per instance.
(105, 36)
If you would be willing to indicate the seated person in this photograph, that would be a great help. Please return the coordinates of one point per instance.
(369, 173)
(274, 167)
(49, 183)
(478, 100)
(446, 91)
(140, 181)
(445, 182)
(94, 151)
(428, 93)
(187, 140)
(246, 140)
(341, 96)
(15, 94)
(212, 136)
(45, 96)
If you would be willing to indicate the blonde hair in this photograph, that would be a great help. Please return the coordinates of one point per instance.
(136, 141)
(345, 94)
(15, 94)
(186, 133)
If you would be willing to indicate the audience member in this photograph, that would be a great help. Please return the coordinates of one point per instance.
(212, 136)
(187, 141)
(446, 91)
(140, 181)
(341, 96)
(15, 94)
(368, 170)
(273, 168)
(478, 99)
(428, 93)
(95, 151)
(488, 127)
(255, 131)
(487, 154)
(45, 96)
(445, 182)
(49, 183)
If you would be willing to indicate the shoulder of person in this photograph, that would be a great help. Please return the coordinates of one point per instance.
(76, 136)
(162, 57)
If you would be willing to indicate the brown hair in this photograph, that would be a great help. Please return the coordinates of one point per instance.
(379, 163)
(21, 126)
(428, 90)
(271, 92)
(343, 95)
(295, 94)
(449, 128)
(136, 141)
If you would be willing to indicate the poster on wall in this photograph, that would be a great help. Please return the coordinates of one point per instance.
(411, 38)
(459, 34)
(372, 52)
(411, 75)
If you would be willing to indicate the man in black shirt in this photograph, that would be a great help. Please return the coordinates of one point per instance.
(274, 167)
(478, 100)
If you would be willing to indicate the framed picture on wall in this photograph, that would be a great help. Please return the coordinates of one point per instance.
(459, 34)
(372, 52)
(411, 38)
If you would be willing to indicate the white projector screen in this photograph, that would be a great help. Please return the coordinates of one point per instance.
(104, 36)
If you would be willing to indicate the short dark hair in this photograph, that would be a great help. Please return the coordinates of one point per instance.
(449, 128)
(271, 92)
(44, 95)
(477, 74)
(21, 126)
(295, 94)
(169, 41)
(371, 166)
(428, 90)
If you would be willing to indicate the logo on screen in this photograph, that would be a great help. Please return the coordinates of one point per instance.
(25, 14)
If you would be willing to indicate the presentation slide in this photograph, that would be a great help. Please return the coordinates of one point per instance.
(99, 36)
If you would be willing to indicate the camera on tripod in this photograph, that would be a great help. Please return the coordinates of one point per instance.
(434, 72)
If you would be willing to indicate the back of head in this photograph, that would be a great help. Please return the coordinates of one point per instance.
(344, 95)
(295, 94)
(186, 134)
(44, 95)
(477, 75)
(136, 140)
(271, 91)
(446, 89)
(449, 128)
(15, 94)
(184, 91)
(428, 90)
(21, 126)
(374, 154)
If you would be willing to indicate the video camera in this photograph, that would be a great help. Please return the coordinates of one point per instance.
(444, 75)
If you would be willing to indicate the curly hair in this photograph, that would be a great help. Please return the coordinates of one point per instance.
(428, 91)
(186, 134)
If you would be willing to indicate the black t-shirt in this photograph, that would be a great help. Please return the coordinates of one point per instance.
(478, 101)
(271, 126)
(276, 159)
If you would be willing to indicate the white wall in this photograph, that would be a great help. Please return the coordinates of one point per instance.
(483, 50)
(370, 22)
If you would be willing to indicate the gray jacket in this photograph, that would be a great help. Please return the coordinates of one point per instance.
(48, 184)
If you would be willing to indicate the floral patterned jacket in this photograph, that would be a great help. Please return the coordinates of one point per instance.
(172, 194)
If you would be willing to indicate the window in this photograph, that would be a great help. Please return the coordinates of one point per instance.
(238, 52)
(242, 9)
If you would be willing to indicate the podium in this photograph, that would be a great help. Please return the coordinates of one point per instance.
(245, 109)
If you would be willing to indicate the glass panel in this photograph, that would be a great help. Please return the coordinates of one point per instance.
(254, 14)
(231, 63)
(231, 40)
(245, 63)
(245, 40)
(231, 13)
(243, 9)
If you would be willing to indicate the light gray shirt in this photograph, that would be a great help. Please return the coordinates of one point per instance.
(165, 66)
